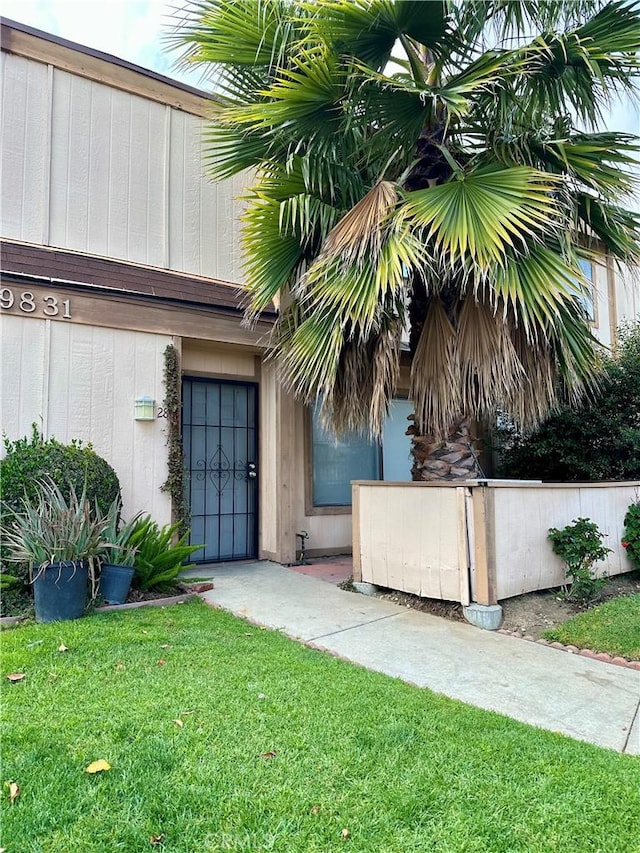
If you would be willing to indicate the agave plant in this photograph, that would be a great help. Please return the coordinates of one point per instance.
(48, 529)
(118, 548)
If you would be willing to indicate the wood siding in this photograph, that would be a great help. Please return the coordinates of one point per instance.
(95, 169)
(77, 381)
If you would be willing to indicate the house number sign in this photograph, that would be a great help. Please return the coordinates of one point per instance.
(28, 302)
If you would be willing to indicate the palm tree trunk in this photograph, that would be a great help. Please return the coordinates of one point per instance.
(454, 458)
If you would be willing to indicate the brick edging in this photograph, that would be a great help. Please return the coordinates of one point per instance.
(605, 657)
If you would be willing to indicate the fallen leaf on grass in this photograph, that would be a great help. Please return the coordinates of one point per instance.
(271, 754)
(62, 648)
(161, 662)
(178, 722)
(165, 646)
(16, 676)
(261, 696)
(345, 833)
(97, 766)
(120, 667)
(157, 839)
(315, 809)
(14, 791)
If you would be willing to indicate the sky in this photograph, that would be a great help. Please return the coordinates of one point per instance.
(135, 30)
(129, 29)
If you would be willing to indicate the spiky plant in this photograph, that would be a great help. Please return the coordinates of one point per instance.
(51, 529)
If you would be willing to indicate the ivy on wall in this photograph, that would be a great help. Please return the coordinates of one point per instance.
(174, 484)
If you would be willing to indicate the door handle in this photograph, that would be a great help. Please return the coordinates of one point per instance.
(252, 474)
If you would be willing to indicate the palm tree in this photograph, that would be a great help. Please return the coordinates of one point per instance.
(431, 166)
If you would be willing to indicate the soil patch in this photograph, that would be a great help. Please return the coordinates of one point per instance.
(529, 615)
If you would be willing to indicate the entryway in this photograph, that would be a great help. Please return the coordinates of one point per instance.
(220, 438)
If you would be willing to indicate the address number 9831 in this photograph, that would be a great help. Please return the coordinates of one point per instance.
(28, 302)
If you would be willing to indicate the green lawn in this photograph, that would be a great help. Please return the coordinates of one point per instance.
(612, 627)
(397, 767)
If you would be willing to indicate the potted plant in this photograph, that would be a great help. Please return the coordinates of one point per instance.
(118, 557)
(60, 540)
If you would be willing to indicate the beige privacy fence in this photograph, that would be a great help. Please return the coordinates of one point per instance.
(478, 540)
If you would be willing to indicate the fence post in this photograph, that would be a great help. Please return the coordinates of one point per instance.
(355, 533)
(483, 528)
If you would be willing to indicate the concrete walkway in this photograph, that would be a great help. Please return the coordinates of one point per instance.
(585, 699)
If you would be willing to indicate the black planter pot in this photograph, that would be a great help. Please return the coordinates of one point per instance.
(60, 591)
(115, 582)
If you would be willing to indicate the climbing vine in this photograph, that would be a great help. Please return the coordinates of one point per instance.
(174, 484)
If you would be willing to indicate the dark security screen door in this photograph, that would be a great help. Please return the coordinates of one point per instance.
(220, 436)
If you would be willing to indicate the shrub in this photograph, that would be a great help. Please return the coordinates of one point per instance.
(579, 546)
(631, 539)
(599, 442)
(30, 461)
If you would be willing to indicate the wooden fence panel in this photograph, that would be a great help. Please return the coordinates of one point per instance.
(434, 539)
(412, 538)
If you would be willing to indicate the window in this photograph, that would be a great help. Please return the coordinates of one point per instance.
(336, 462)
(587, 299)
(396, 444)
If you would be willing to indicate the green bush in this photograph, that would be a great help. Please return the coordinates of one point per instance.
(579, 546)
(599, 442)
(29, 461)
(631, 537)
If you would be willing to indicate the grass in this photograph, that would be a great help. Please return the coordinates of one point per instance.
(397, 767)
(612, 627)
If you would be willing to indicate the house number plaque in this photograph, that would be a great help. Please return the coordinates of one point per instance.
(27, 302)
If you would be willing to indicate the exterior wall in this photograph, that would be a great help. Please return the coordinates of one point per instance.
(97, 169)
(269, 464)
(77, 381)
(616, 299)
(626, 295)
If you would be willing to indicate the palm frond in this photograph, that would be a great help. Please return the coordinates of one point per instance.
(586, 67)
(533, 289)
(617, 229)
(480, 215)
(369, 29)
(237, 32)
(505, 20)
(273, 259)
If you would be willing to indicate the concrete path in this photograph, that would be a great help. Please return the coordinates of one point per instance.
(585, 699)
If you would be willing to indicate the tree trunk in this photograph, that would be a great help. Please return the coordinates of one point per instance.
(454, 458)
